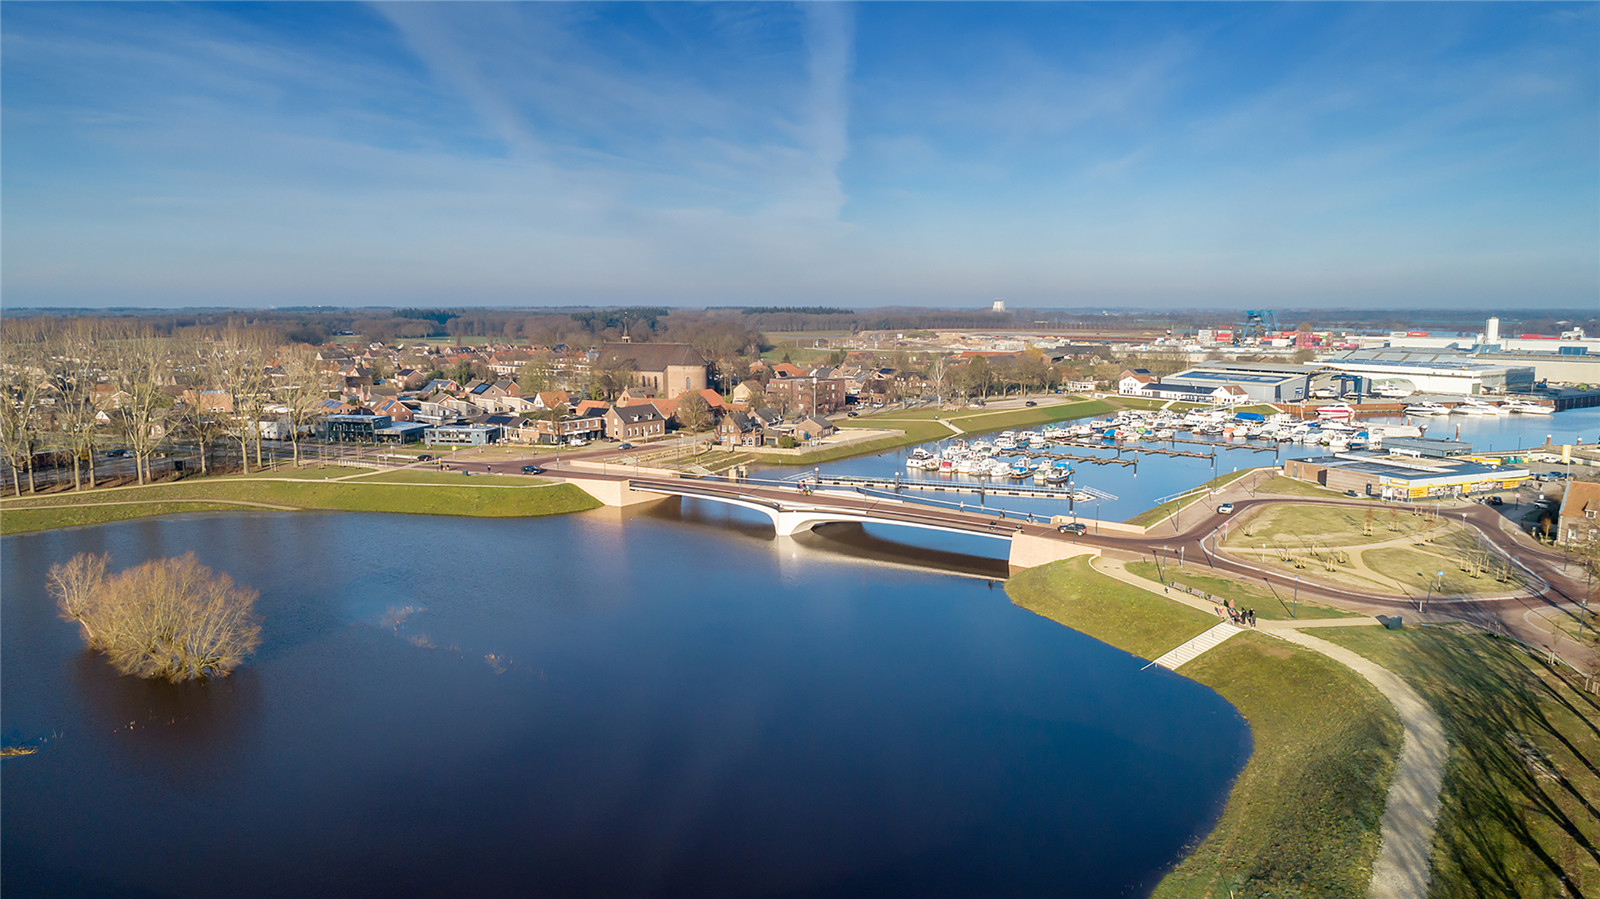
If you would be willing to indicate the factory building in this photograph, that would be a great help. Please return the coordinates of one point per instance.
(1264, 382)
(1434, 372)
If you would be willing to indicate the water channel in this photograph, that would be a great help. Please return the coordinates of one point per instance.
(670, 702)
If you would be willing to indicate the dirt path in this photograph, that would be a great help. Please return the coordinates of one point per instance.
(1401, 870)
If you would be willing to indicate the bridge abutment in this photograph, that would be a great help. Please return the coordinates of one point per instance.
(1030, 551)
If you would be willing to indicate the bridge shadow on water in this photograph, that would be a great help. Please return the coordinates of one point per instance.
(922, 549)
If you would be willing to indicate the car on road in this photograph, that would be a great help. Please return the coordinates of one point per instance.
(1226, 508)
(1495, 501)
(1351, 493)
(531, 469)
(425, 457)
(116, 453)
(1030, 403)
(853, 414)
(1072, 527)
(626, 446)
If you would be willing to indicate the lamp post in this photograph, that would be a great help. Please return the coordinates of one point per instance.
(1180, 557)
(1160, 573)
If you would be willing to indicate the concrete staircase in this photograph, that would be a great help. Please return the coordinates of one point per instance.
(1188, 651)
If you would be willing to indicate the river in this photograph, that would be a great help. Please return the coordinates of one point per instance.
(669, 702)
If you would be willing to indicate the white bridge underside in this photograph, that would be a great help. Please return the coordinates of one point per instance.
(788, 522)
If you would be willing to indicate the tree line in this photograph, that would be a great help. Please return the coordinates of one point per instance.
(73, 385)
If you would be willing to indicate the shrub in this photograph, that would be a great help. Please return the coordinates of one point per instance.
(169, 618)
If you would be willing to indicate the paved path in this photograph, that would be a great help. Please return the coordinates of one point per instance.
(1412, 810)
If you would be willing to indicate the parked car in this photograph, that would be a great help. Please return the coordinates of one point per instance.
(1495, 501)
(1072, 527)
(853, 414)
(1351, 493)
(1226, 508)
(116, 453)
(531, 469)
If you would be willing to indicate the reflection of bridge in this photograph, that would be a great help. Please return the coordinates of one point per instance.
(793, 509)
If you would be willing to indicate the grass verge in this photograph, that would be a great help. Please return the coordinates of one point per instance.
(1268, 605)
(1159, 513)
(1287, 486)
(1303, 817)
(209, 494)
(1518, 811)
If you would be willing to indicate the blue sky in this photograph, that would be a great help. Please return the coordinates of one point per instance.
(1096, 154)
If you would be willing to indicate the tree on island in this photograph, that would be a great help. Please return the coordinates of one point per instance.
(169, 618)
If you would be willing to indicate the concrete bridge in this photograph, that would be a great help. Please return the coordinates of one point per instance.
(794, 509)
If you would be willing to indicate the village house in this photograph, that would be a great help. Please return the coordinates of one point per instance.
(1579, 520)
(639, 422)
(807, 395)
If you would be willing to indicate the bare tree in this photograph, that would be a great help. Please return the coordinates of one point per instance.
(694, 413)
(305, 385)
(141, 370)
(76, 365)
(168, 618)
(22, 368)
(242, 357)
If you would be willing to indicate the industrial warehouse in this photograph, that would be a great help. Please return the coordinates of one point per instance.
(1398, 477)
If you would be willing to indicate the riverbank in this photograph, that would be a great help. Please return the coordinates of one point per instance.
(418, 493)
(1304, 816)
(1518, 806)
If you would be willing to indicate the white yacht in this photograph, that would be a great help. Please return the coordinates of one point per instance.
(1427, 409)
(1479, 407)
(1530, 408)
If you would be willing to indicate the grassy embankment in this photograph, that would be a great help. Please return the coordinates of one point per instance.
(1269, 605)
(1157, 513)
(1286, 486)
(1303, 816)
(1518, 814)
(414, 492)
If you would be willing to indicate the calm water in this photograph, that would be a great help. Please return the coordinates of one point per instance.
(1156, 477)
(671, 703)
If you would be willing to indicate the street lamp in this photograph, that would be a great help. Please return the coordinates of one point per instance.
(1180, 557)
(1437, 581)
(1160, 559)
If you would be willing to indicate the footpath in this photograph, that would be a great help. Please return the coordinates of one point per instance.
(1411, 811)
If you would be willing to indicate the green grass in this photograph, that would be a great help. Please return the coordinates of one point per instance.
(1518, 814)
(1268, 605)
(1159, 513)
(22, 521)
(1261, 408)
(1131, 619)
(469, 497)
(1287, 486)
(1303, 817)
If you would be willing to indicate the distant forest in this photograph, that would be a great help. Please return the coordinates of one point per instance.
(742, 327)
